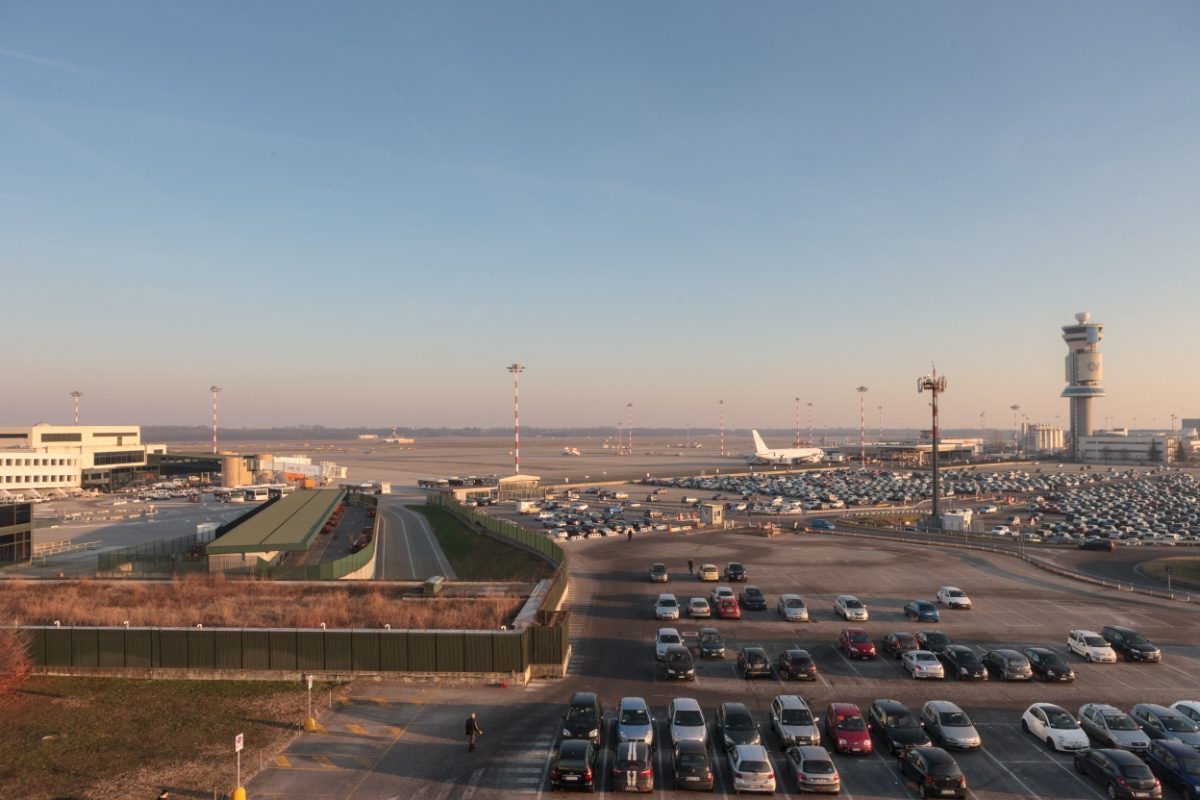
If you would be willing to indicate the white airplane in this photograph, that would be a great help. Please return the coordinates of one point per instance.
(570, 451)
(791, 455)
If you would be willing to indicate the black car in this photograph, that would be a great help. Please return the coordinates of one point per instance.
(678, 664)
(1123, 774)
(898, 643)
(584, 718)
(752, 598)
(574, 766)
(1096, 543)
(1130, 644)
(711, 644)
(895, 725)
(754, 663)
(961, 662)
(934, 641)
(692, 767)
(735, 571)
(633, 769)
(935, 771)
(735, 725)
(796, 665)
(1007, 665)
(1048, 665)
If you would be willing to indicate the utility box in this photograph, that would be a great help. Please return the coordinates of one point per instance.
(432, 585)
(959, 520)
(712, 514)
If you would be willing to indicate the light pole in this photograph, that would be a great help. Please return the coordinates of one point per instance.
(982, 433)
(215, 390)
(862, 425)
(629, 425)
(797, 402)
(78, 394)
(721, 404)
(880, 423)
(810, 437)
(516, 369)
(1016, 440)
(1173, 418)
(934, 384)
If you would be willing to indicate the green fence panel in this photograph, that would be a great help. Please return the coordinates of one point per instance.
(339, 650)
(393, 651)
(139, 648)
(365, 646)
(227, 648)
(201, 648)
(449, 645)
(508, 652)
(256, 649)
(36, 641)
(310, 650)
(85, 647)
(173, 648)
(548, 644)
(281, 646)
(477, 651)
(422, 651)
(58, 647)
(111, 643)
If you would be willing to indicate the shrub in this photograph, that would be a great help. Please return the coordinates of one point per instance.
(15, 663)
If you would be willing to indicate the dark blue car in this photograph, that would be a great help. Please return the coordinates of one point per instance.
(1175, 764)
(921, 611)
(821, 524)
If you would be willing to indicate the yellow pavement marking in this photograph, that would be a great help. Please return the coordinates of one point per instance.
(282, 761)
(379, 701)
(358, 729)
(394, 730)
(324, 762)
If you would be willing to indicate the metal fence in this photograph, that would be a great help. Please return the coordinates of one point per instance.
(507, 530)
(159, 556)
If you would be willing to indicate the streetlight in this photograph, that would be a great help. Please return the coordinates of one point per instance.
(934, 384)
(629, 426)
(862, 425)
(796, 400)
(880, 423)
(1016, 441)
(215, 390)
(516, 369)
(810, 436)
(721, 404)
(78, 394)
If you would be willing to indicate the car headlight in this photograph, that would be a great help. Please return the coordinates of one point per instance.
(567, 734)
(593, 733)
(843, 742)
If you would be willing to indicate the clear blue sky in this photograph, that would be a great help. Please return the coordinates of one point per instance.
(359, 213)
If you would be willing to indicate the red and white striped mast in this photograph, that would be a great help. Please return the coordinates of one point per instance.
(629, 425)
(77, 394)
(216, 390)
(516, 370)
(862, 426)
(721, 404)
(797, 441)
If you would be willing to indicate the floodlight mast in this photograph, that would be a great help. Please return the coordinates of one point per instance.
(934, 384)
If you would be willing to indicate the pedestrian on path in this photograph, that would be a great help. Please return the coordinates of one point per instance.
(164, 795)
(473, 730)
(691, 567)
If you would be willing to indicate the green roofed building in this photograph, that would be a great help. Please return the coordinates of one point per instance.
(287, 525)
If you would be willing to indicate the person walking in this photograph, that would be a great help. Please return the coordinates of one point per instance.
(164, 795)
(473, 730)
(691, 567)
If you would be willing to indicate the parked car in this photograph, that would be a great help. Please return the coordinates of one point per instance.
(685, 721)
(1130, 644)
(921, 611)
(796, 665)
(666, 607)
(1189, 708)
(1048, 665)
(710, 644)
(753, 662)
(691, 766)
(846, 730)
(720, 591)
(678, 664)
(923, 664)
(850, 608)
(574, 766)
(1091, 647)
(634, 723)
(1055, 726)
(855, 643)
(1007, 665)
(584, 718)
(1161, 722)
(666, 638)
(1109, 726)
(659, 573)
(735, 725)
(895, 725)
(1175, 764)
(1096, 543)
(728, 608)
(752, 598)
(813, 770)
(735, 571)
(698, 608)
(1123, 774)
(708, 572)
(793, 722)
(633, 769)
(953, 597)
(933, 640)
(949, 726)
(897, 643)
(792, 608)
(819, 524)
(751, 768)
(961, 662)
(935, 772)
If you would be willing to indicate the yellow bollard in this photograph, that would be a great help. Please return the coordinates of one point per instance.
(239, 793)
(310, 725)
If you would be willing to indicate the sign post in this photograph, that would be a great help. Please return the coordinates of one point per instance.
(239, 793)
(1170, 570)
(310, 724)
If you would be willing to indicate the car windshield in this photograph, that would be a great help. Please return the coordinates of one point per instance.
(1138, 772)
(859, 637)
(668, 638)
(1053, 660)
(852, 603)
(581, 713)
(752, 592)
(1180, 724)
(754, 766)
(924, 657)
(635, 716)
(668, 601)
(1094, 641)
(796, 716)
(800, 661)
(1120, 722)
(818, 767)
(1060, 719)
(956, 593)
(711, 636)
(794, 602)
(1136, 638)
(850, 724)
(739, 722)
(689, 719)
(679, 656)
(966, 657)
(937, 638)
(954, 719)
(1190, 764)
(571, 762)
(693, 761)
(901, 719)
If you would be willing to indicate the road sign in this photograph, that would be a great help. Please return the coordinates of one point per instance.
(1170, 569)
(237, 743)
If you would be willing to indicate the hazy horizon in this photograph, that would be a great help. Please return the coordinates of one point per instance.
(366, 212)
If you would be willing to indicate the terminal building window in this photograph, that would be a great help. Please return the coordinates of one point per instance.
(119, 457)
(62, 437)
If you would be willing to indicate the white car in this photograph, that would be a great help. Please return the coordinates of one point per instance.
(1189, 708)
(989, 510)
(791, 607)
(666, 638)
(751, 768)
(714, 597)
(923, 664)
(953, 597)
(850, 608)
(1091, 646)
(1055, 726)
(698, 608)
(667, 607)
(1001, 530)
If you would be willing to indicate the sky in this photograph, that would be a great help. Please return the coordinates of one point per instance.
(360, 213)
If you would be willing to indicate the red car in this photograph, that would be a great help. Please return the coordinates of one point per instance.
(846, 730)
(856, 644)
(728, 608)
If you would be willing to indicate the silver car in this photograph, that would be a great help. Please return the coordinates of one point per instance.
(1109, 726)
(923, 664)
(793, 722)
(850, 608)
(634, 723)
(686, 721)
(949, 727)
(791, 607)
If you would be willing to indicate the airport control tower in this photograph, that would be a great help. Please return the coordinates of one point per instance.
(1085, 370)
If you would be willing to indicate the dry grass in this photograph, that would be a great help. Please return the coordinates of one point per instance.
(15, 662)
(219, 603)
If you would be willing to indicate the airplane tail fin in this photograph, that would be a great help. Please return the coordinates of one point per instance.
(759, 445)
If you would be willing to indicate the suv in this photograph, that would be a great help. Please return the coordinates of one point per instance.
(1007, 665)
(1130, 644)
(584, 718)
(895, 725)
(793, 722)
(735, 571)
(634, 723)
(736, 726)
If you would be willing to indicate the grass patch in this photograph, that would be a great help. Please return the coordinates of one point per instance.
(475, 557)
(1187, 570)
(108, 738)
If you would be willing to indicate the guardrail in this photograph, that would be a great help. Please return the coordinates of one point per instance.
(45, 549)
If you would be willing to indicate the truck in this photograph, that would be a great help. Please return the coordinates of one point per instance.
(527, 507)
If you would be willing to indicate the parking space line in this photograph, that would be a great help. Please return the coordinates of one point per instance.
(849, 663)
(1030, 793)
(1077, 777)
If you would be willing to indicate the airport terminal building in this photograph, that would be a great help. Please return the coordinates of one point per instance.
(50, 460)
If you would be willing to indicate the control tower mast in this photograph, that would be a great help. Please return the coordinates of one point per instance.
(1085, 371)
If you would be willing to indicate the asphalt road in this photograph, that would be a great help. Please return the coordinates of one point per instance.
(392, 740)
(407, 549)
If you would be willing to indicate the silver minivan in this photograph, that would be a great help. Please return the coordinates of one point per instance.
(793, 722)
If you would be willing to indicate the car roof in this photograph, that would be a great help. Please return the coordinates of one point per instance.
(902, 635)
(797, 652)
(1041, 650)
(1122, 758)
(891, 705)
(709, 629)
(789, 596)
(1101, 707)
(751, 751)
(1175, 747)
(813, 752)
(691, 746)
(854, 630)
(958, 648)
(735, 706)
(661, 631)
(583, 698)
(1155, 708)
(632, 702)
(791, 701)
(665, 595)
(690, 703)
(1048, 706)
(676, 649)
(844, 709)
(1119, 629)
(1085, 632)
(943, 705)
(935, 755)
(1007, 652)
(753, 648)
(572, 747)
